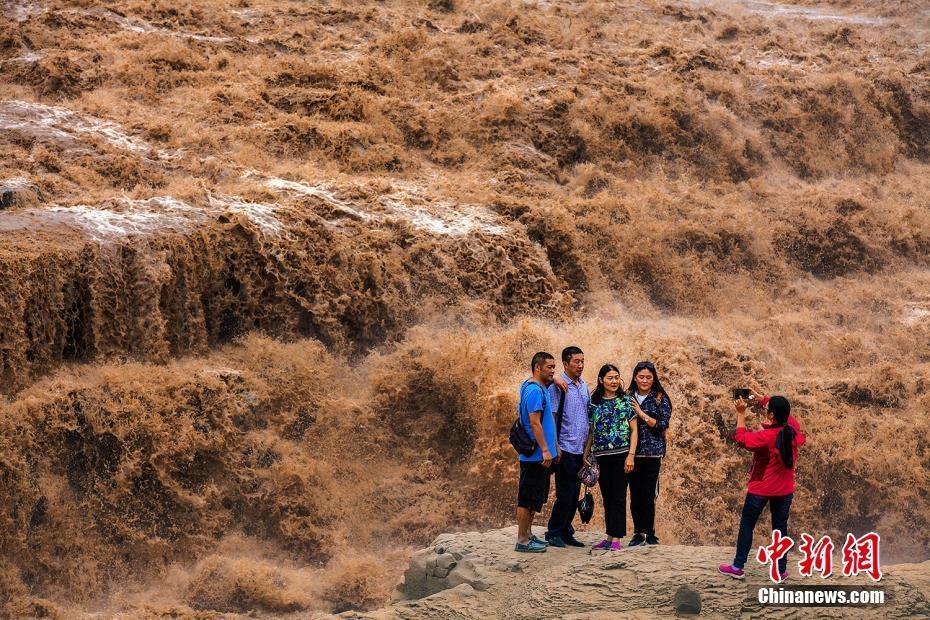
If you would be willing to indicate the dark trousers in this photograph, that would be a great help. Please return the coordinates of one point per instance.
(567, 486)
(752, 509)
(612, 482)
(644, 489)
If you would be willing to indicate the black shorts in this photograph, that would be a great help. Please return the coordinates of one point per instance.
(534, 486)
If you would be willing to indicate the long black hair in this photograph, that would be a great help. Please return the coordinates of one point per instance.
(780, 409)
(656, 384)
(598, 394)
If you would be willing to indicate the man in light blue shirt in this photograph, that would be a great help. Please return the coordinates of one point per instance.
(572, 429)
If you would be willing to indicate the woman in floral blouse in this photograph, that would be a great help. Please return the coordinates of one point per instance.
(612, 439)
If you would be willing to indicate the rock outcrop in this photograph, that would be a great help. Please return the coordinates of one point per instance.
(479, 575)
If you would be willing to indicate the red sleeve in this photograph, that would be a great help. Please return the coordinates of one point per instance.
(751, 440)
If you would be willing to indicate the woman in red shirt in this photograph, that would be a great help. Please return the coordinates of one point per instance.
(774, 453)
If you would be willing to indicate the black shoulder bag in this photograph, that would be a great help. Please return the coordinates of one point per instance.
(522, 441)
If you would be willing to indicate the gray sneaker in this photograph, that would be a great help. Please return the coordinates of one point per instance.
(537, 539)
(530, 547)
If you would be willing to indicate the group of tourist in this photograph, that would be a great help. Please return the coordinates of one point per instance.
(616, 435)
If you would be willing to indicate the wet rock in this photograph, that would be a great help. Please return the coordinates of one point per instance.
(431, 572)
(446, 562)
(687, 601)
(18, 192)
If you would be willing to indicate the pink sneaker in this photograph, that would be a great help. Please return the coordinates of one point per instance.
(731, 571)
(783, 576)
(604, 545)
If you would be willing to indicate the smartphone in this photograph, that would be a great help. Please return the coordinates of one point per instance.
(744, 393)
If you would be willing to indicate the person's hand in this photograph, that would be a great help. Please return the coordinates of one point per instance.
(740, 405)
(638, 410)
(547, 458)
(587, 459)
(630, 464)
(559, 381)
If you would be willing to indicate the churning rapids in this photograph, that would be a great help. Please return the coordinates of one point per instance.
(270, 275)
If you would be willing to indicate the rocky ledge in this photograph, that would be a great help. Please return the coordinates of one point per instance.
(479, 575)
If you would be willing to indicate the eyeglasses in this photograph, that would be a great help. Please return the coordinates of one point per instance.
(648, 365)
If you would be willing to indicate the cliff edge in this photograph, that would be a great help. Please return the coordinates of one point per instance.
(479, 575)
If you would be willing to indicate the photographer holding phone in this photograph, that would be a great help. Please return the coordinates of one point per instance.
(771, 481)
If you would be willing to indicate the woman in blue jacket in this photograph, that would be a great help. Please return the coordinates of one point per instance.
(653, 410)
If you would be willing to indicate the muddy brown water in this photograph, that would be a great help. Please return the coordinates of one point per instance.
(270, 276)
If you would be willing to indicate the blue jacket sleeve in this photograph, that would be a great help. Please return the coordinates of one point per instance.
(664, 414)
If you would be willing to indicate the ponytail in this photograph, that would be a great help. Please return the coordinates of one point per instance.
(784, 443)
(780, 409)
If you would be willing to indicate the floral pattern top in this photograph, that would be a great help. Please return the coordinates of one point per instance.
(611, 419)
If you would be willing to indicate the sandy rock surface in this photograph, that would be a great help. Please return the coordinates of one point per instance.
(479, 575)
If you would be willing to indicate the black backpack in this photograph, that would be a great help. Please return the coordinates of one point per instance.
(522, 441)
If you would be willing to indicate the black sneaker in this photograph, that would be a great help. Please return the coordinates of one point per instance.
(555, 541)
(571, 541)
(637, 540)
(652, 540)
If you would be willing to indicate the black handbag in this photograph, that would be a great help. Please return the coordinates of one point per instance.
(586, 506)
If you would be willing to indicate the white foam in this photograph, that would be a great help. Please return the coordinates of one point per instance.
(64, 125)
(249, 16)
(262, 215)
(154, 215)
(28, 57)
(769, 60)
(443, 218)
(317, 191)
(797, 11)
(917, 312)
(21, 11)
(138, 217)
(17, 183)
(408, 203)
(136, 24)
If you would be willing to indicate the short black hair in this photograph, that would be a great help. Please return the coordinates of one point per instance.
(540, 358)
(568, 352)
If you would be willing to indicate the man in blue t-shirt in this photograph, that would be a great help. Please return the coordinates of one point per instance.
(536, 417)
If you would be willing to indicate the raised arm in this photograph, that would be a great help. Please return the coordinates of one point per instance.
(664, 413)
(745, 438)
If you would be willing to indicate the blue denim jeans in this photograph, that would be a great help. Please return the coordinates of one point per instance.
(752, 509)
